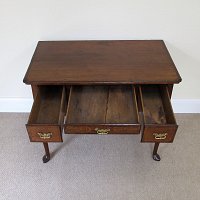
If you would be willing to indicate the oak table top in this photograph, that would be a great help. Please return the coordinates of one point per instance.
(101, 62)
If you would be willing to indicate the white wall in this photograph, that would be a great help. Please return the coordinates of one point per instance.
(23, 23)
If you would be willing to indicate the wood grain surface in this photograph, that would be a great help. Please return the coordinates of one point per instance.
(121, 107)
(153, 109)
(102, 104)
(101, 62)
(87, 104)
(46, 108)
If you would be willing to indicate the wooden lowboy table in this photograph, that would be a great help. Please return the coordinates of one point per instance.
(102, 87)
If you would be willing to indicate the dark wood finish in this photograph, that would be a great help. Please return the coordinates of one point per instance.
(101, 62)
(152, 105)
(150, 130)
(156, 156)
(108, 107)
(49, 105)
(121, 105)
(114, 128)
(106, 87)
(47, 114)
(87, 104)
(158, 114)
(46, 157)
(170, 89)
(34, 91)
(35, 129)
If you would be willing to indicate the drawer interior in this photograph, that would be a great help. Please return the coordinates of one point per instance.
(102, 105)
(47, 105)
(156, 105)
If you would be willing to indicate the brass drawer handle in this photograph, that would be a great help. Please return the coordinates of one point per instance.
(45, 135)
(102, 131)
(160, 136)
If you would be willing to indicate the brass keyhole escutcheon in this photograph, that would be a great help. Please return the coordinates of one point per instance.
(45, 135)
(102, 131)
(160, 136)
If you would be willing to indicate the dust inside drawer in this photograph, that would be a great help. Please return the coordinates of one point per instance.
(158, 117)
(47, 114)
(102, 109)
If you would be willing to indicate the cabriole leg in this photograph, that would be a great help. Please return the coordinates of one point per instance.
(156, 157)
(46, 157)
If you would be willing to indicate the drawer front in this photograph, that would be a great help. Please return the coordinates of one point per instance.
(47, 115)
(159, 133)
(102, 129)
(159, 124)
(44, 133)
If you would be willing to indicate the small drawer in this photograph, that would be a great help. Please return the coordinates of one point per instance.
(47, 115)
(102, 110)
(159, 124)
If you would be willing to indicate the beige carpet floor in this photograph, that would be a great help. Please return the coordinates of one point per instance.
(93, 167)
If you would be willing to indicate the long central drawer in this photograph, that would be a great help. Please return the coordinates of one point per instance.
(102, 110)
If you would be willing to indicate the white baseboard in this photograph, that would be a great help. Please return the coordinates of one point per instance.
(186, 105)
(15, 104)
(24, 105)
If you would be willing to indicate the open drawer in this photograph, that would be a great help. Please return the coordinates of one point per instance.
(159, 124)
(102, 110)
(47, 115)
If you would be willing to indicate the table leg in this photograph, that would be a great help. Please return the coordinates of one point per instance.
(156, 157)
(46, 157)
